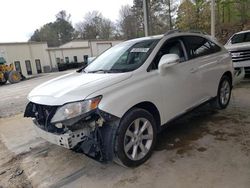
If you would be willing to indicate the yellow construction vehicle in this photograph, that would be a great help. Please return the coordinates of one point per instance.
(7, 73)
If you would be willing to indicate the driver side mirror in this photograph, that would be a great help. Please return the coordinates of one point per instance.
(167, 61)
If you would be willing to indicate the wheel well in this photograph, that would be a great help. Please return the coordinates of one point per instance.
(152, 109)
(229, 75)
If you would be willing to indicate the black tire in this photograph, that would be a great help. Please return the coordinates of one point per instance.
(6, 74)
(218, 103)
(126, 123)
(14, 77)
(3, 82)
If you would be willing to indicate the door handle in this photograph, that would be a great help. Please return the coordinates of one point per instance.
(193, 70)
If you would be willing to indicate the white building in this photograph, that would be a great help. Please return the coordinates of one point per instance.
(28, 58)
(35, 57)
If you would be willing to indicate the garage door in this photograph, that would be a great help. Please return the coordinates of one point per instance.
(101, 47)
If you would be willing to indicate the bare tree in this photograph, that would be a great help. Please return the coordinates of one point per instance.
(62, 15)
(95, 26)
(127, 22)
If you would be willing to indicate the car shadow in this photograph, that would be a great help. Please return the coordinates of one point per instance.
(182, 131)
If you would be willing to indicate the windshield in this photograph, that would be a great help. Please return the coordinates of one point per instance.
(123, 57)
(239, 38)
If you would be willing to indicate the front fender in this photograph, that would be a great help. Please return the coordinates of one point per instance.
(123, 96)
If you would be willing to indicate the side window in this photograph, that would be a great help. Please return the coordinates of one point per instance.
(247, 37)
(172, 46)
(199, 46)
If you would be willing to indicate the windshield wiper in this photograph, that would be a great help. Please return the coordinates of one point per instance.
(100, 70)
(81, 69)
(109, 71)
(120, 70)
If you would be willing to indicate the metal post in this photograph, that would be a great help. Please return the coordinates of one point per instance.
(169, 14)
(213, 18)
(145, 13)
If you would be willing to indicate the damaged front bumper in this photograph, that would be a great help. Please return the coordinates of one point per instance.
(68, 139)
(92, 134)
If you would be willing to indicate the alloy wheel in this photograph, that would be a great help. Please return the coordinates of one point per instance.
(225, 92)
(138, 139)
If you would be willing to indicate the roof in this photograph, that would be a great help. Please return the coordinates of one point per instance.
(175, 33)
(145, 38)
(243, 32)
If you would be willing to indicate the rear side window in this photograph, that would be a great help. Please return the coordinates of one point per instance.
(198, 46)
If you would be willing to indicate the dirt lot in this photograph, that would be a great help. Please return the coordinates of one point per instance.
(206, 148)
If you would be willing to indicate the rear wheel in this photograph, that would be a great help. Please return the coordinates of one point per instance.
(14, 77)
(224, 93)
(136, 138)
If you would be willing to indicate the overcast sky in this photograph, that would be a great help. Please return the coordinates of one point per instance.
(20, 18)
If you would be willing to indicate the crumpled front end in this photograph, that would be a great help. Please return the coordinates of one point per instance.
(91, 133)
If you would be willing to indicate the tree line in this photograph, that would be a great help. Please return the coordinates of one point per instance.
(164, 15)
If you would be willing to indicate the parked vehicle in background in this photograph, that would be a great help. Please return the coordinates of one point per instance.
(114, 108)
(239, 46)
(7, 73)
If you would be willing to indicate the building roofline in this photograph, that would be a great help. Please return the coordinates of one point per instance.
(21, 43)
(89, 40)
(68, 48)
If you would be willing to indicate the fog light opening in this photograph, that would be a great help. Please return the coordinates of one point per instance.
(59, 125)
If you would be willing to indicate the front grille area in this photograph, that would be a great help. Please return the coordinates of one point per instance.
(43, 115)
(241, 55)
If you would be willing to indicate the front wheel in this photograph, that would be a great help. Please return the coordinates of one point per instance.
(135, 138)
(2, 82)
(224, 93)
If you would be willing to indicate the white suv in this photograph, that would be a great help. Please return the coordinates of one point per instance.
(239, 46)
(114, 108)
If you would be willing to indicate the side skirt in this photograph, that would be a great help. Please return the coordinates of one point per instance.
(189, 110)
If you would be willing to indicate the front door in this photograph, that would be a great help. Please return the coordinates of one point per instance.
(180, 85)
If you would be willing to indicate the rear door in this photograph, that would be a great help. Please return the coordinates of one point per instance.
(203, 53)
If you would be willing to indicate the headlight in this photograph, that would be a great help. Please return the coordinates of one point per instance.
(75, 109)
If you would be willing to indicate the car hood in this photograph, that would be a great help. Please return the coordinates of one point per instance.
(73, 87)
(239, 46)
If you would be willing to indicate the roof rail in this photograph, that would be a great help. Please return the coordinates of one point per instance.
(197, 31)
(172, 31)
(188, 31)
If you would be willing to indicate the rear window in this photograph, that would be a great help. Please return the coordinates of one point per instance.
(240, 38)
